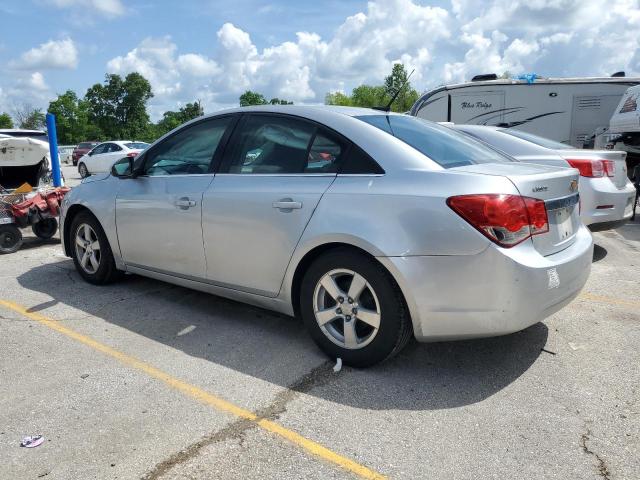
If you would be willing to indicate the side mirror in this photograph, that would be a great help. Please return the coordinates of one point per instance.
(123, 168)
(90, 153)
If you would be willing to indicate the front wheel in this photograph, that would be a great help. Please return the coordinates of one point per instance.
(82, 170)
(10, 239)
(91, 252)
(353, 309)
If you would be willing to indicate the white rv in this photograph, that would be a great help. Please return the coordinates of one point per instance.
(567, 110)
(624, 129)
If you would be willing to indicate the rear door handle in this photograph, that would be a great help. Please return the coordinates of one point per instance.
(287, 204)
(184, 203)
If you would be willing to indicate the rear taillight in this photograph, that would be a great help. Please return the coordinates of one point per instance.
(132, 154)
(609, 167)
(505, 219)
(588, 167)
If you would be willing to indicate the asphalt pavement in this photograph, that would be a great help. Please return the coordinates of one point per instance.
(142, 379)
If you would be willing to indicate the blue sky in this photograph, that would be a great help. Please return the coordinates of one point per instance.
(300, 50)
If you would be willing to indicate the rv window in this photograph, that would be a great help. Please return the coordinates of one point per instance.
(443, 145)
(543, 142)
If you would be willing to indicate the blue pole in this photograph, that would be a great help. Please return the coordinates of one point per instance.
(53, 150)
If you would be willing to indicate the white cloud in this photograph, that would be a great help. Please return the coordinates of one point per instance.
(549, 37)
(111, 8)
(59, 54)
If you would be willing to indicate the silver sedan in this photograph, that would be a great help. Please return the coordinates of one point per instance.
(372, 227)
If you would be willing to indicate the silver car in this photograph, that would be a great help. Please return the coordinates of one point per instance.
(606, 194)
(372, 227)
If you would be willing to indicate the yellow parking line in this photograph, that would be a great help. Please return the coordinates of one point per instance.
(613, 301)
(200, 395)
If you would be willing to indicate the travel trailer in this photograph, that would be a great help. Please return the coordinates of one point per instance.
(624, 128)
(568, 110)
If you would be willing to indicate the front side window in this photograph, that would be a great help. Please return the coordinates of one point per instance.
(99, 149)
(187, 152)
(443, 145)
(275, 144)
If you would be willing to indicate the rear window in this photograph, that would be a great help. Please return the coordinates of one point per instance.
(443, 145)
(543, 142)
(133, 145)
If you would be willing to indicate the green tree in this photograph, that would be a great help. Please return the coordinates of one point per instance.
(252, 98)
(398, 80)
(278, 101)
(379, 95)
(171, 119)
(5, 120)
(71, 118)
(338, 98)
(118, 107)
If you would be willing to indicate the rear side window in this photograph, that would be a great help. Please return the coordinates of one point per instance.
(443, 145)
(358, 162)
(267, 144)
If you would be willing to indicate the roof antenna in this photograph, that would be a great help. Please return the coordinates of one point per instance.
(387, 108)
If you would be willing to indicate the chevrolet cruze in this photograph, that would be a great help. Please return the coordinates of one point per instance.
(372, 227)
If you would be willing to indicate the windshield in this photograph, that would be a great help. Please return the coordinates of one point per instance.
(543, 142)
(443, 145)
(136, 145)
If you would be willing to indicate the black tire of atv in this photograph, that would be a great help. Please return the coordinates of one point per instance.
(10, 239)
(45, 228)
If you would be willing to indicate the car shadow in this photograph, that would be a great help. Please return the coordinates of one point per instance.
(599, 253)
(276, 348)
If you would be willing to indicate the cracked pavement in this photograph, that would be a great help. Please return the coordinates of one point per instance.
(495, 408)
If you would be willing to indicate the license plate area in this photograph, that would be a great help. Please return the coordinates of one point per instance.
(563, 217)
(564, 222)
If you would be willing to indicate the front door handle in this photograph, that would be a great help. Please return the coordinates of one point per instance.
(287, 204)
(185, 203)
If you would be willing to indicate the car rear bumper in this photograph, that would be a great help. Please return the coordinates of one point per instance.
(601, 192)
(496, 292)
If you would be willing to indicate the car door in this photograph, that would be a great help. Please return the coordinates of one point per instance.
(112, 153)
(158, 213)
(93, 162)
(274, 171)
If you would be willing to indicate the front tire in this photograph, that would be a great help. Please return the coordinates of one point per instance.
(82, 170)
(91, 252)
(353, 309)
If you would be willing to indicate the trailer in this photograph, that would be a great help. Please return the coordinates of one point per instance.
(568, 110)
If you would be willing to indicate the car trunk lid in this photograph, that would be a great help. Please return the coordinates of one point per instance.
(556, 186)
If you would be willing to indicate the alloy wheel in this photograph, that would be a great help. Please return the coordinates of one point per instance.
(87, 248)
(346, 308)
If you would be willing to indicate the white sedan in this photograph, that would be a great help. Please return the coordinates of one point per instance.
(102, 157)
(606, 194)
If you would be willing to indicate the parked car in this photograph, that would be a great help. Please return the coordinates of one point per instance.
(373, 227)
(66, 153)
(606, 194)
(82, 149)
(102, 157)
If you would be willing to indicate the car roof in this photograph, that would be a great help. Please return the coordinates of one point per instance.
(9, 131)
(305, 110)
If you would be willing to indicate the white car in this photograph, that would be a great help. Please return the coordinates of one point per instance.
(606, 194)
(102, 157)
(65, 152)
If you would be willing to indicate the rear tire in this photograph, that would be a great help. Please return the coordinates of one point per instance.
(45, 228)
(82, 170)
(344, 296)
(10, 239)
(91, 251)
